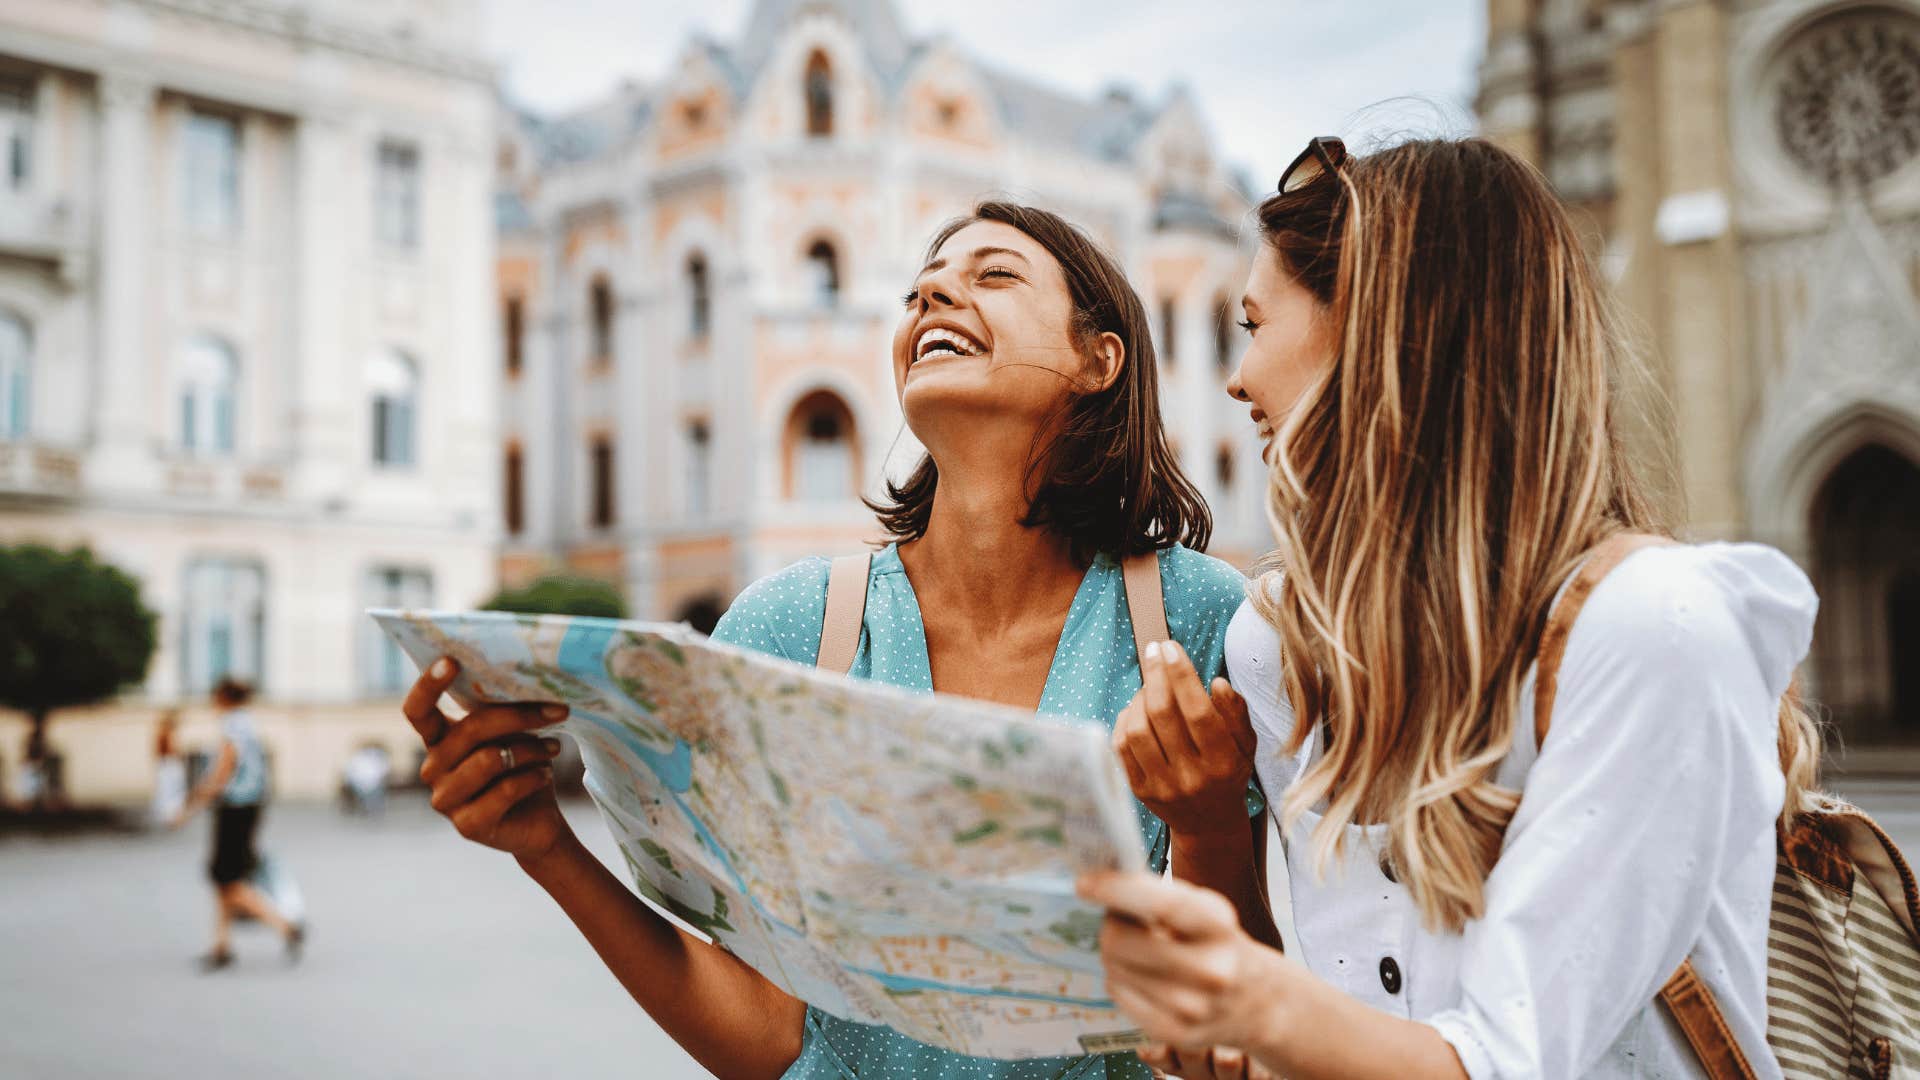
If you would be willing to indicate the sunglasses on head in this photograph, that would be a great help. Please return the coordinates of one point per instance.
(1324, 154)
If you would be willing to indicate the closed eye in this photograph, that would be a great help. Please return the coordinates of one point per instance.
(999, 271)
(1249, 325)
(912, 298)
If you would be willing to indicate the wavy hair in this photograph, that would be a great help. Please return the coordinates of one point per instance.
(1431, 493)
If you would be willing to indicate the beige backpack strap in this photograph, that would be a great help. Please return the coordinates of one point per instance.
(1686, 997)
(846, 612)
(1146, 607)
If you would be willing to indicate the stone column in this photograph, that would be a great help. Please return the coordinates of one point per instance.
(1702, 326)
(128, 375)
(321, 419)
(1510, 107)
(1647, 417)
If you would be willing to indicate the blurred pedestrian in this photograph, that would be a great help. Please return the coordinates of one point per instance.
(169, 772)
(237, 783)
(363, 784)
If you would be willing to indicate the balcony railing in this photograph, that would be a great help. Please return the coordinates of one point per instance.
(32, 470)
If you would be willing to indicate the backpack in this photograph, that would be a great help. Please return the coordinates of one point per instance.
(1843, 941)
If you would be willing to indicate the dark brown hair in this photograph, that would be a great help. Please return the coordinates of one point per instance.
(233, 692)
(1103, 476)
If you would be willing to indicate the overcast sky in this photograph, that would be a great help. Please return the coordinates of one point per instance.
(1268, 73)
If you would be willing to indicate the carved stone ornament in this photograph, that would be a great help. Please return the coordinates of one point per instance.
(1848, 105)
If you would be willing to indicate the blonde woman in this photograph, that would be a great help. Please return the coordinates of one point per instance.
(1432, 365)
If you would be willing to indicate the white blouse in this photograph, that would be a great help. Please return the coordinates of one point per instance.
(1644, 833)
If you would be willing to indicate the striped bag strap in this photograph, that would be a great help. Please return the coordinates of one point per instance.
(1685, 995)
(846, 613)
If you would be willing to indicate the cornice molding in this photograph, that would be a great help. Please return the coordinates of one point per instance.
(305, 31)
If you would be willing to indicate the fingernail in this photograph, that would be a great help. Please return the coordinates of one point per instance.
(1176, 650)
(552, 745)
(1153, 651)
(442, 668)
(554, 712)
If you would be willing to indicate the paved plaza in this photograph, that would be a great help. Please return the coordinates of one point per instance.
(430, 958)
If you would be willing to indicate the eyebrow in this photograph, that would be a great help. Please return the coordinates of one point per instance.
(978, 253)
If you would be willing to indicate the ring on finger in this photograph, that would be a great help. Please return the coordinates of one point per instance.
(506, 757)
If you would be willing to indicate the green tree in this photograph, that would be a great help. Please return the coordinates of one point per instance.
(562, 594)
(72, 631)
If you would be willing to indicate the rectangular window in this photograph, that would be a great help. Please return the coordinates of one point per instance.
(392, 431)
(510, 330)
(223, 623)
(1167, 332)
(699, 464)
(602, 469)
(213, 174)
(396, 196)
(16, 133)
(515, 493)
(386, 670)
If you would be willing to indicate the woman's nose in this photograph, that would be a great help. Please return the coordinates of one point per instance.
(1236, 389)
(937, 296)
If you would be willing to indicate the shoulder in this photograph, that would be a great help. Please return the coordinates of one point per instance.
(1201, 594)
(1694, 611)
(780, 614)
(1200, 585)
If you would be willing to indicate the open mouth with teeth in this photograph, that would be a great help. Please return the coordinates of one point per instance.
(940, 341)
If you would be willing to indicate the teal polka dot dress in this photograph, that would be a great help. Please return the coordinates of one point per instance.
(1094, 674)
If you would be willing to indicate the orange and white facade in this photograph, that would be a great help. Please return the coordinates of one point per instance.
(699, 279)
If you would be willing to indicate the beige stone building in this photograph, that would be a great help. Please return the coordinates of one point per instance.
(245, 275)
(1751, 172)
(700, 275)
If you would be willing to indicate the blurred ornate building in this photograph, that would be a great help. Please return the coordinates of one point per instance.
(1751, 170)
(700, 275)
(245, 271)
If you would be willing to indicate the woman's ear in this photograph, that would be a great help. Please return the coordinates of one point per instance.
(1105, 360)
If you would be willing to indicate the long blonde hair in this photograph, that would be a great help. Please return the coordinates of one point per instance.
(1431, 493)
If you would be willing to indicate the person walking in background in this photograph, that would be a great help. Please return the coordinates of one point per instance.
(169, 770)
(238, 784)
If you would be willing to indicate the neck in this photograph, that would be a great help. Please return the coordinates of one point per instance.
(977, 560)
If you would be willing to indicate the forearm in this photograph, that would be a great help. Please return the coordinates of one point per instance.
(730, 1018)
(1307, 1029)
(1230, 862)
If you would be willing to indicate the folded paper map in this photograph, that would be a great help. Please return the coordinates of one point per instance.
(890, 857)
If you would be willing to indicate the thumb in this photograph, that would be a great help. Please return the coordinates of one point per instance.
(1233, 709)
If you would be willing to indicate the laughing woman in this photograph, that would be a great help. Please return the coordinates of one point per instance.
(1023, 364)
(1495, 866)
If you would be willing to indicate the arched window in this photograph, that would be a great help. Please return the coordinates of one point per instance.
(394, 383)
(600, 476)
(823, 271)
(819, 90)
(821, 463)
(16, 375)
(699, 296)
(514, 477)
(600, 312)
(512, 328)
(1223, 466)
(209, 380)
(1223, 334)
